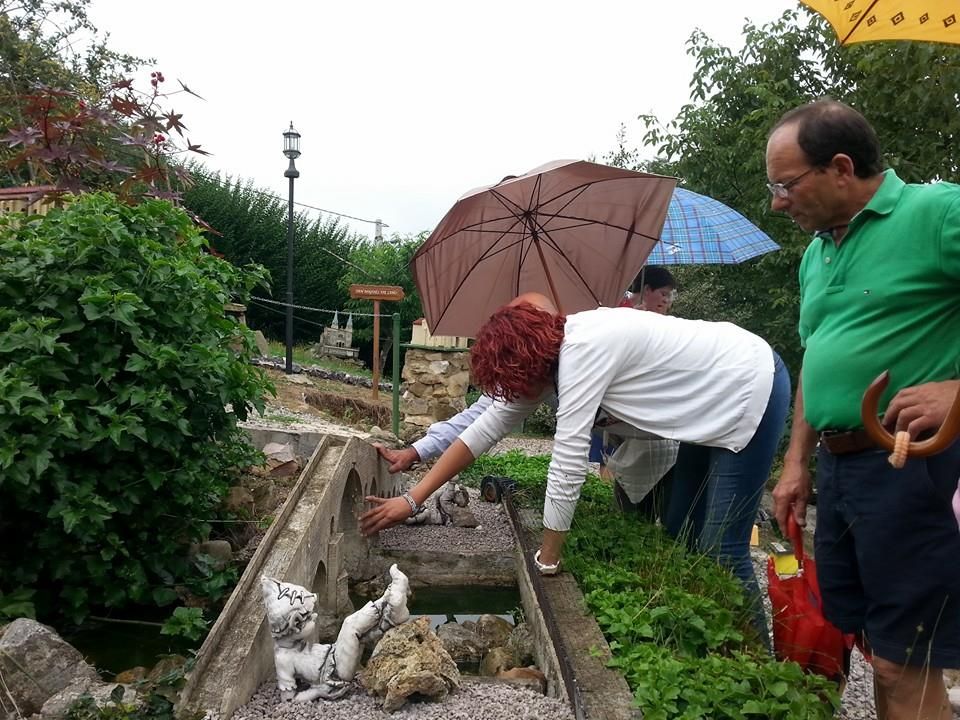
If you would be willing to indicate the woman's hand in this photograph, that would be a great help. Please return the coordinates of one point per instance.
(386, 513)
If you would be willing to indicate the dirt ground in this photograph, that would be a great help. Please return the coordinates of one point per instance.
(329, 399)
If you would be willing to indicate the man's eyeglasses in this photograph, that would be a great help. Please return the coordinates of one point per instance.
(782, 190)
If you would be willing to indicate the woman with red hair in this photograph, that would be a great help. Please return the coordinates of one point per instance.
(702, 383)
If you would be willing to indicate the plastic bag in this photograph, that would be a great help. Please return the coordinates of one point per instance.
(800, 631)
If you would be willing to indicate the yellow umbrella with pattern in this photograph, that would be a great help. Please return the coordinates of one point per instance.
(866, 20)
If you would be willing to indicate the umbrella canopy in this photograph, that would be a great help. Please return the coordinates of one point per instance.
(864, 20)
(575, 231)
(700, 230)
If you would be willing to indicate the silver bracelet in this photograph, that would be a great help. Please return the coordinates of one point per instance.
(414, 508)
(543, 568)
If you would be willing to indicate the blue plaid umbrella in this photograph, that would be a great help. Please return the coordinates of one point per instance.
(701, 230)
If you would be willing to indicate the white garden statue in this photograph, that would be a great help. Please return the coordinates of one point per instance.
(328, 668)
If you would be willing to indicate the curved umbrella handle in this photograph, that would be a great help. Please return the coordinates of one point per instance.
(901, 445)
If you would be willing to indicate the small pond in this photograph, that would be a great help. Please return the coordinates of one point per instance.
(113, 647)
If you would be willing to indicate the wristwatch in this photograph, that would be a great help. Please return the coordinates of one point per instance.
(545, 569)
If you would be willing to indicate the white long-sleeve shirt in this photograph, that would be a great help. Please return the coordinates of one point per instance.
(700, 382)
(440, 435)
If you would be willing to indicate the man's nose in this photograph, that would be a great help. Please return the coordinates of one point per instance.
(779, 204)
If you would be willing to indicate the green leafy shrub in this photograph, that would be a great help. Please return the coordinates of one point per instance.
(121, 383)
(186, 622)
(542, 421)
(678, 624)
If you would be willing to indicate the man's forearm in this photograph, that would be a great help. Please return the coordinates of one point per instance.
(803, 437)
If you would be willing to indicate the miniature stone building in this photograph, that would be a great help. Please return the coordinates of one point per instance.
(337, 341)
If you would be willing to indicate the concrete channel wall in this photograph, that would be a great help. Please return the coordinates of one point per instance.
(315, 542)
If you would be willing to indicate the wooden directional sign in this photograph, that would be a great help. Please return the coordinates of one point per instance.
(376, 292)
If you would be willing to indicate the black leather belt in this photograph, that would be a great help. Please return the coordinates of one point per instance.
(844, 442)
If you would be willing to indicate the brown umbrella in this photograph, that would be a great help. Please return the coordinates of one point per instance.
(575, 231)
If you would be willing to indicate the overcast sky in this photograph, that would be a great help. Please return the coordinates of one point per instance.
(404, 106)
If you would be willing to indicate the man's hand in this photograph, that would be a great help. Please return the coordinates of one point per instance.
(792, 492)
(399, 460)
(921, 408)
(386, 513)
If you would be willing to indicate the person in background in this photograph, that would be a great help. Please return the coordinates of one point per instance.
(641, 467)
(879, 289)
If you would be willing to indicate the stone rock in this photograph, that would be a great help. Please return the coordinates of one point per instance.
(410, 660)
(417, 406)
(521, 646)
(954, 695)
(238, 499)
(525, 676)
(420, 420)
(167, 665)
(493, 631)
(462, 644)
(264, 496)
(36, 664)
(263, 347)
(279, 452)
(496, 661)
(298, 379)
(462, 517)
(128, 677)
(57, 706)
(219, 551)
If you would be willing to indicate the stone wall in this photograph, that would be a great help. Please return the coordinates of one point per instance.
(434, 385)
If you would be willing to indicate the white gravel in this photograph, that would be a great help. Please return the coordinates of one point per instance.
(474, 701)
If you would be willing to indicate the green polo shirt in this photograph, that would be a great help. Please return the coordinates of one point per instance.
(888, 298)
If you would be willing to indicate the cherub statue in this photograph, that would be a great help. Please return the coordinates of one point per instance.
(328, 668)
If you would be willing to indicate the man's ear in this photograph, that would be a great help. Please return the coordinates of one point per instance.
(843, 165)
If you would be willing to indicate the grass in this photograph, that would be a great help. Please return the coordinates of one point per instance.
(303, 356)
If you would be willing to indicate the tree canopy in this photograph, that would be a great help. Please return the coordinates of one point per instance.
(909, 91)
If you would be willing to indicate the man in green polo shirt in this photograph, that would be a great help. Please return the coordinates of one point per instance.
(880, 290)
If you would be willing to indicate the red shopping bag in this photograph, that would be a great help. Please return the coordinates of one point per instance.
(800, 632)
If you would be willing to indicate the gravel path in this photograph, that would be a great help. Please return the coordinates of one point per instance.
(474, 701)
(492, 535)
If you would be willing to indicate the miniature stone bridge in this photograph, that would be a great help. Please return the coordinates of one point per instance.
(315, 542)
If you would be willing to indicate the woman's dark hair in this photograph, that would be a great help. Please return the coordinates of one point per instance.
(654, 277)
(827, 127)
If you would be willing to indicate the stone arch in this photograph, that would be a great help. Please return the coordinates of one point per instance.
(319, 585)
(353, 546)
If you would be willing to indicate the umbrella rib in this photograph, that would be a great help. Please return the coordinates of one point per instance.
(487, 254)
(856, 25)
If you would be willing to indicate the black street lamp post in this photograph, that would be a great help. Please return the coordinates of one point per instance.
(291, 148)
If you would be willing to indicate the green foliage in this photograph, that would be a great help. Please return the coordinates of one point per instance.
(678, 625)
(529, 473)
(384, 263)
(121, 383)
(252, 228)
(542, 421)
(155, 703)
(18, 603)
(187, 623)
(716, 144)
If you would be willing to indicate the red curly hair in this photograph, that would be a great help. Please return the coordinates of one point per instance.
(516, 351)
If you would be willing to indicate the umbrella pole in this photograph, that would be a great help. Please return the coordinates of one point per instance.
(546, 271)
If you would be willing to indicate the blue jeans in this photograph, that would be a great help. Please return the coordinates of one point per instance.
(716, 493)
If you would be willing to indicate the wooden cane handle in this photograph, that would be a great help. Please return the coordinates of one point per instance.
(869, 413)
